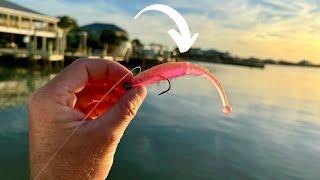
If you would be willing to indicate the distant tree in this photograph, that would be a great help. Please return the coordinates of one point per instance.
(73, 40)
(137, 48)
(304, 63)
(112, 37)
(67, 23)
(108, 37)
(270, 61)
(136, 43)
(70, 28)
(93, 41)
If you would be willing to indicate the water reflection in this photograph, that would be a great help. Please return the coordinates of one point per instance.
(16, 84)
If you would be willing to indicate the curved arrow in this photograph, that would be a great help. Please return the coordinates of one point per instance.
(183, 39)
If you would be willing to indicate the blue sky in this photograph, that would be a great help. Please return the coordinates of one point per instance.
(279, 29)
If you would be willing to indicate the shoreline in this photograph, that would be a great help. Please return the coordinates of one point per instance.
(55, 66)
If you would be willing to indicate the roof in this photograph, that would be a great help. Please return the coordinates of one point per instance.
(99, 27)
(11, 5)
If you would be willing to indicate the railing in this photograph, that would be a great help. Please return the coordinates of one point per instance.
(25, 23)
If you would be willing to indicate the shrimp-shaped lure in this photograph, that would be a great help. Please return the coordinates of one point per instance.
(176, 69)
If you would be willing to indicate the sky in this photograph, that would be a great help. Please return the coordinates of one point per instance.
(277, 29)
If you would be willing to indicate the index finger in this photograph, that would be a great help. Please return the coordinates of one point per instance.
(75, 76)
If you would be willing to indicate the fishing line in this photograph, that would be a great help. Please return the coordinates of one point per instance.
(81, 122)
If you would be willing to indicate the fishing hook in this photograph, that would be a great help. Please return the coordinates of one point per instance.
(128, 86)
(167, 89)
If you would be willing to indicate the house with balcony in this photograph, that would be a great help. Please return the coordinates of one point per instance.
(25, 33)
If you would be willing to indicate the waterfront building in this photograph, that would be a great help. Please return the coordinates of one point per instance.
(117, 46)
(27, 33)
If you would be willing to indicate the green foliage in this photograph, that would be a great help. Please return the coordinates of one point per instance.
(93, 41)
(67, 23)
(137, 43)
(112, 37)
(73, 40)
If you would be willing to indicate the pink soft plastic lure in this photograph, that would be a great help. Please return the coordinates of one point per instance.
(176, 69)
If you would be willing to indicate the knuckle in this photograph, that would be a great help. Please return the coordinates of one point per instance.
(130, 109)
(79, 61)
(34, 98)
(35, 104)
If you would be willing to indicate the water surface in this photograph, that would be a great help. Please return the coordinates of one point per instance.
(273, 133)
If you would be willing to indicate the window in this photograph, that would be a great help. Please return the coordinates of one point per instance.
(3, 19)
(13, 21)
(25, 23)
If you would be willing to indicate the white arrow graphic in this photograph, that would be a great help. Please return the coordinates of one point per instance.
(183, 39)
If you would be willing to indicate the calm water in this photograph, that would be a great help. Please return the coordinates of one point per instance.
(274, 132)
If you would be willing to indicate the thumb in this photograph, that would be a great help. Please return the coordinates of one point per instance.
(113, 123)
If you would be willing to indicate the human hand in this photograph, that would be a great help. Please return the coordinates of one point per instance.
(56, 109)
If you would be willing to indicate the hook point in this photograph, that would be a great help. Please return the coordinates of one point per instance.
(167, 89)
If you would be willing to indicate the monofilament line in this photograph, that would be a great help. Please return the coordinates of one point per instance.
(81, 122)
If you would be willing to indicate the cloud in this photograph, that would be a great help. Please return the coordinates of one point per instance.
(243, 27)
